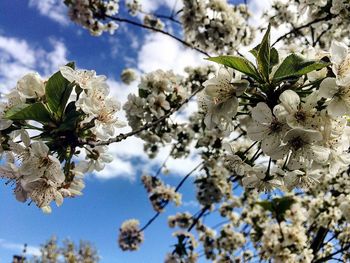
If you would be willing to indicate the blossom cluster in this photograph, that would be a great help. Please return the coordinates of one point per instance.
(329, 19)
(159, 92)
(44, 126)
(90, 14)
(160, 194)
(216, 26)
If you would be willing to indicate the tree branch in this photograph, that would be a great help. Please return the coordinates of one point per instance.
(131, 22)
(166, 203)
(297, 29)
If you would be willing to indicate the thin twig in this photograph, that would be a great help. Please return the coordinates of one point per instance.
(171, 18)
(167, 202)
(297, 29)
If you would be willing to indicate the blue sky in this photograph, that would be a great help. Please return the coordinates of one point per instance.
(37, 35)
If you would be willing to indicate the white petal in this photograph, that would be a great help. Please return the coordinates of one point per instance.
(58, 198)
(4, 124)
(290, 100)
(337, 108)
(280, 112)
(262, 113)
(328, 88)
(257, 131)
(279, 153)
(270, 143)
(46, 209)
(40, 149)
(338, 52)
(68, 73)
(318, 153)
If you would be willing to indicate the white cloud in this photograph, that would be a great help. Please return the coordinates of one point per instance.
(54, 9)
(153, 5)
(117, 168)
(161, 52)
(18, 248)
(190, 204)
(18, 49)
(19, 57)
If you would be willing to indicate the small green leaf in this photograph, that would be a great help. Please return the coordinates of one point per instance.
(274, 58)
(238, 63)
(266, 205)
(278, 206)
(255, 50)
(263, 55)
(143, 93)
(71, 118)
(295, 66)
(35, 112)
(71, 64)
(58, 90)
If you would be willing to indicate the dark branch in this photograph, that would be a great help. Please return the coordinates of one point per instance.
(167, 202)
(297, 29)
(131, 22)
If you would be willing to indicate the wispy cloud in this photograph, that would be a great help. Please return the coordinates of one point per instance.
(53, 9)
(160, 51)
(18, 248)
(19, 57)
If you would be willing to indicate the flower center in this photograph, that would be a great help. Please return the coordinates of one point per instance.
(275, 126)
(300, 116)
(296, 143)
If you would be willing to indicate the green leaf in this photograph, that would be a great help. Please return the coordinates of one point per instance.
(274, 58)
(71, 118)
(58, 90)
(266, 205)
(263, 55)
(295, 66)
(143, 93)
(238, 63)
(278, 206)
(255, 50)
(71, 64)
(35, 112)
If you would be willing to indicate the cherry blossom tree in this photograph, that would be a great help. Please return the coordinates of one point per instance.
(273, 124)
